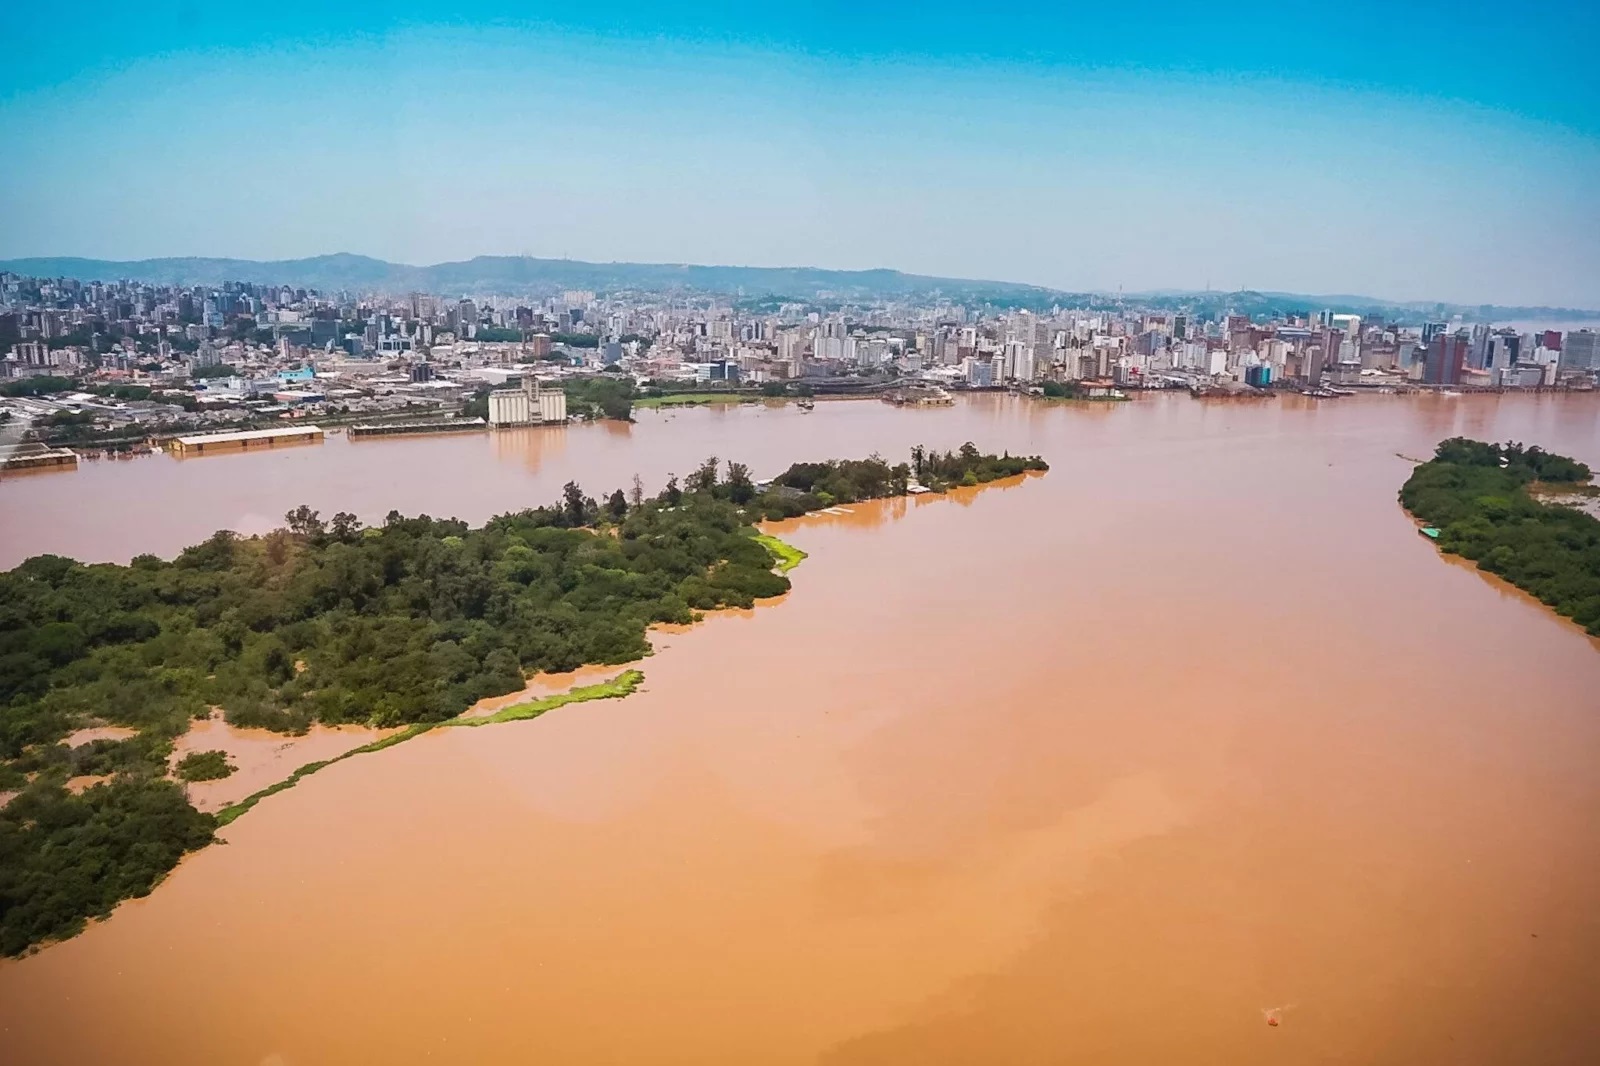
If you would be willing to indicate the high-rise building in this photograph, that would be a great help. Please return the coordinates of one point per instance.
(1447, 358)
(1505, 347)
(1580, 350)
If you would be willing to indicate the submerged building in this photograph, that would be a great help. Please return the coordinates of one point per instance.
(207, 443)
(528, 405)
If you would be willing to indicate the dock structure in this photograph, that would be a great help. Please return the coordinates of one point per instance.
(35, 456)
(444, 425)
(207, 443)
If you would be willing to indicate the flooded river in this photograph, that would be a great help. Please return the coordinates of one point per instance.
(1106, 766)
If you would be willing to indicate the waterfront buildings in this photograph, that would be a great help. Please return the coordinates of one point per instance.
(1447, 359)
(184, 360)
(1581, 350)
(210, 443)
(527, 405)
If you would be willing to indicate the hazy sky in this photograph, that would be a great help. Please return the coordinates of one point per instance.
(1435, 151)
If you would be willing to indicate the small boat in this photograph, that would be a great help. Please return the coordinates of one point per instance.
(807, 405)
(1431, 532)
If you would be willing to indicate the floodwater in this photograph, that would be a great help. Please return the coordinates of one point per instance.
(260, 757)
(1113, 765)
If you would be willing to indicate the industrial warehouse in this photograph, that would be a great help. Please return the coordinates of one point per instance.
(528, 405)
(207, 443)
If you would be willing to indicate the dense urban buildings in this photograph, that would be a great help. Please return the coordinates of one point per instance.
(99, 358)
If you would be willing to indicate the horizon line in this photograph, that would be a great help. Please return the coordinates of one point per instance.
(8, 265)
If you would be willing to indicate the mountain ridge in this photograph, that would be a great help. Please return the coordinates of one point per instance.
(510, 275)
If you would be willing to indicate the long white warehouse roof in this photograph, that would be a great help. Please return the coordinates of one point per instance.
(248, 434)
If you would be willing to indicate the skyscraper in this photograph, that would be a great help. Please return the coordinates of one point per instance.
(1581, 350)
(1447, 357)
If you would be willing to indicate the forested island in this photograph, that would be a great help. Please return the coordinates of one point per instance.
(1484, 500)
(407, 623)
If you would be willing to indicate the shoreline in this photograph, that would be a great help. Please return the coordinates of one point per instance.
(625, 683)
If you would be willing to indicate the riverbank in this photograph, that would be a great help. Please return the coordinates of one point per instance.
(976, 793)
(538, 590)
(788, 555)
(621, 686)
(1484, 503)
(694, 399)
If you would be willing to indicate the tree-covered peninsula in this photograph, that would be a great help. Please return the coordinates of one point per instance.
(407, 623)
(1484, 501)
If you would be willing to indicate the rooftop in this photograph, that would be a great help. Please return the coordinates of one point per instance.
(248, 434)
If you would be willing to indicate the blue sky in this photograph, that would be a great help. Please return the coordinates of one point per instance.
(1411, 151)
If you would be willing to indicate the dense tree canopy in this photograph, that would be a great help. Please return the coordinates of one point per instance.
(66, 858)
(606, 396)
(1477, 495)
(204, 766)
(845, 481)
(411, 621)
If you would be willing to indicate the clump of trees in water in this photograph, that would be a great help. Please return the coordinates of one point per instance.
(204, 766)
(407, 622)
(846, 481)
(1478, 496)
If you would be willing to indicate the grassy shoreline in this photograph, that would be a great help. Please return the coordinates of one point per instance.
(788, 555)
(149, 647)
(622, 685)
(691, 399)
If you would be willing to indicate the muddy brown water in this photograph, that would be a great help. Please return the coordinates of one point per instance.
(1105, 766)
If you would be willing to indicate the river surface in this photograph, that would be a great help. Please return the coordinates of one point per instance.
(1105, 766)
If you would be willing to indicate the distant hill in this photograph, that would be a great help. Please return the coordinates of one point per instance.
(516, 275)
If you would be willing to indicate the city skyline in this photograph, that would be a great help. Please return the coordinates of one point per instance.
(1138, 149)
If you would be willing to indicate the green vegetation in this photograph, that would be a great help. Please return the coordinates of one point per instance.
(204, 766)
(230, 814)
(621, 685)
(221, 370)
(65, 859)
(1478, 495)
(813, 485)
(496, 334)
(40, 385)
(404, 625)
(787, 554)
(1072, 390)
(576, 340)
(478, 406)
(678, 399)
(606, 396)
(600, 397)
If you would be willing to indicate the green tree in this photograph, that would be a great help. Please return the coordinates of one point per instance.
(205, 766)
(304, 522)
(704, 478)
(740, 488)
